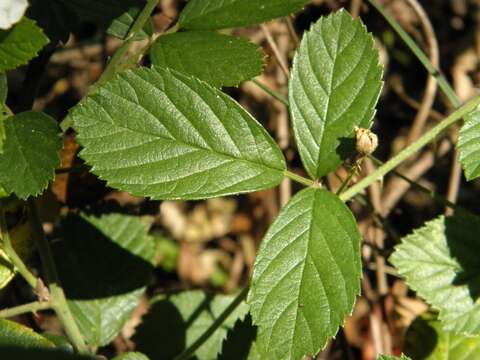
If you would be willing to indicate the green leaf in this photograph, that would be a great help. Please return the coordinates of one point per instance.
(13, 334)
(174, 322)
(116, 16)
(240, 342)
(469, 145)
(440, 262)
(105, 264)
(20, 44)
(211, 15)
(306, 275)
(391, 357)
(131, 356)
(425, 339)
(167, 136)
(30, 153)
(20, 342)
(334, 86)
(3, 88)
(218, 59)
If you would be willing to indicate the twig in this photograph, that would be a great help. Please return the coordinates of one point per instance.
(292, 31)
(355, 6)
(454, 181)
(187, 354)
(436, 197)
(26, 308)
(435, 115)
(12, 254)
(431, 86)
(442, 82)
(281, 61)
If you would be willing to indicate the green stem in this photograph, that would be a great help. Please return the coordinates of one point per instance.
(57, 296)
(410, 150)
(271, 92)
(12, 254)
(187, 354)
(442, 82)
(345, 183)
(26, 308)
(436, 197)
(299, 179)
(140, 21)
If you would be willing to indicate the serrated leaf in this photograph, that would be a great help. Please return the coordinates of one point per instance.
(218, 59)
(11, 11)
(30, 154)
(116, 16)
(20, 44)
(439, 262)
(306, 275)
(184, 317)
(334, 86)
(105, 264)
(167, 136)
(469, 145)
(131, 356)
(425, 339)
(240, 343)
(211, 15)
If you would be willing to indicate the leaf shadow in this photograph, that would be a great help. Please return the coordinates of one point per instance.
(162, 334)
(346, 148)
(92, 266)
(420, 340)
(239, 341)
(463, 240)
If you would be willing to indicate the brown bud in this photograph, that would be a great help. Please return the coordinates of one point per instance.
(365, 141)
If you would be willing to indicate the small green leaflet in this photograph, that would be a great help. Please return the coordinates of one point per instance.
(184, 317)
(334, 86)
(425, 339)
(30, 154)
(469, 145)
(20, 44)
(306, 275)
(182, 138)
(105, 263)
(440, 263)
(217, 59)
(211, 15)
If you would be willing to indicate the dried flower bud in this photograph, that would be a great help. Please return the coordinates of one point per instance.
(365, 141)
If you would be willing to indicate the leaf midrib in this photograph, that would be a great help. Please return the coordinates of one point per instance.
(174, 140)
